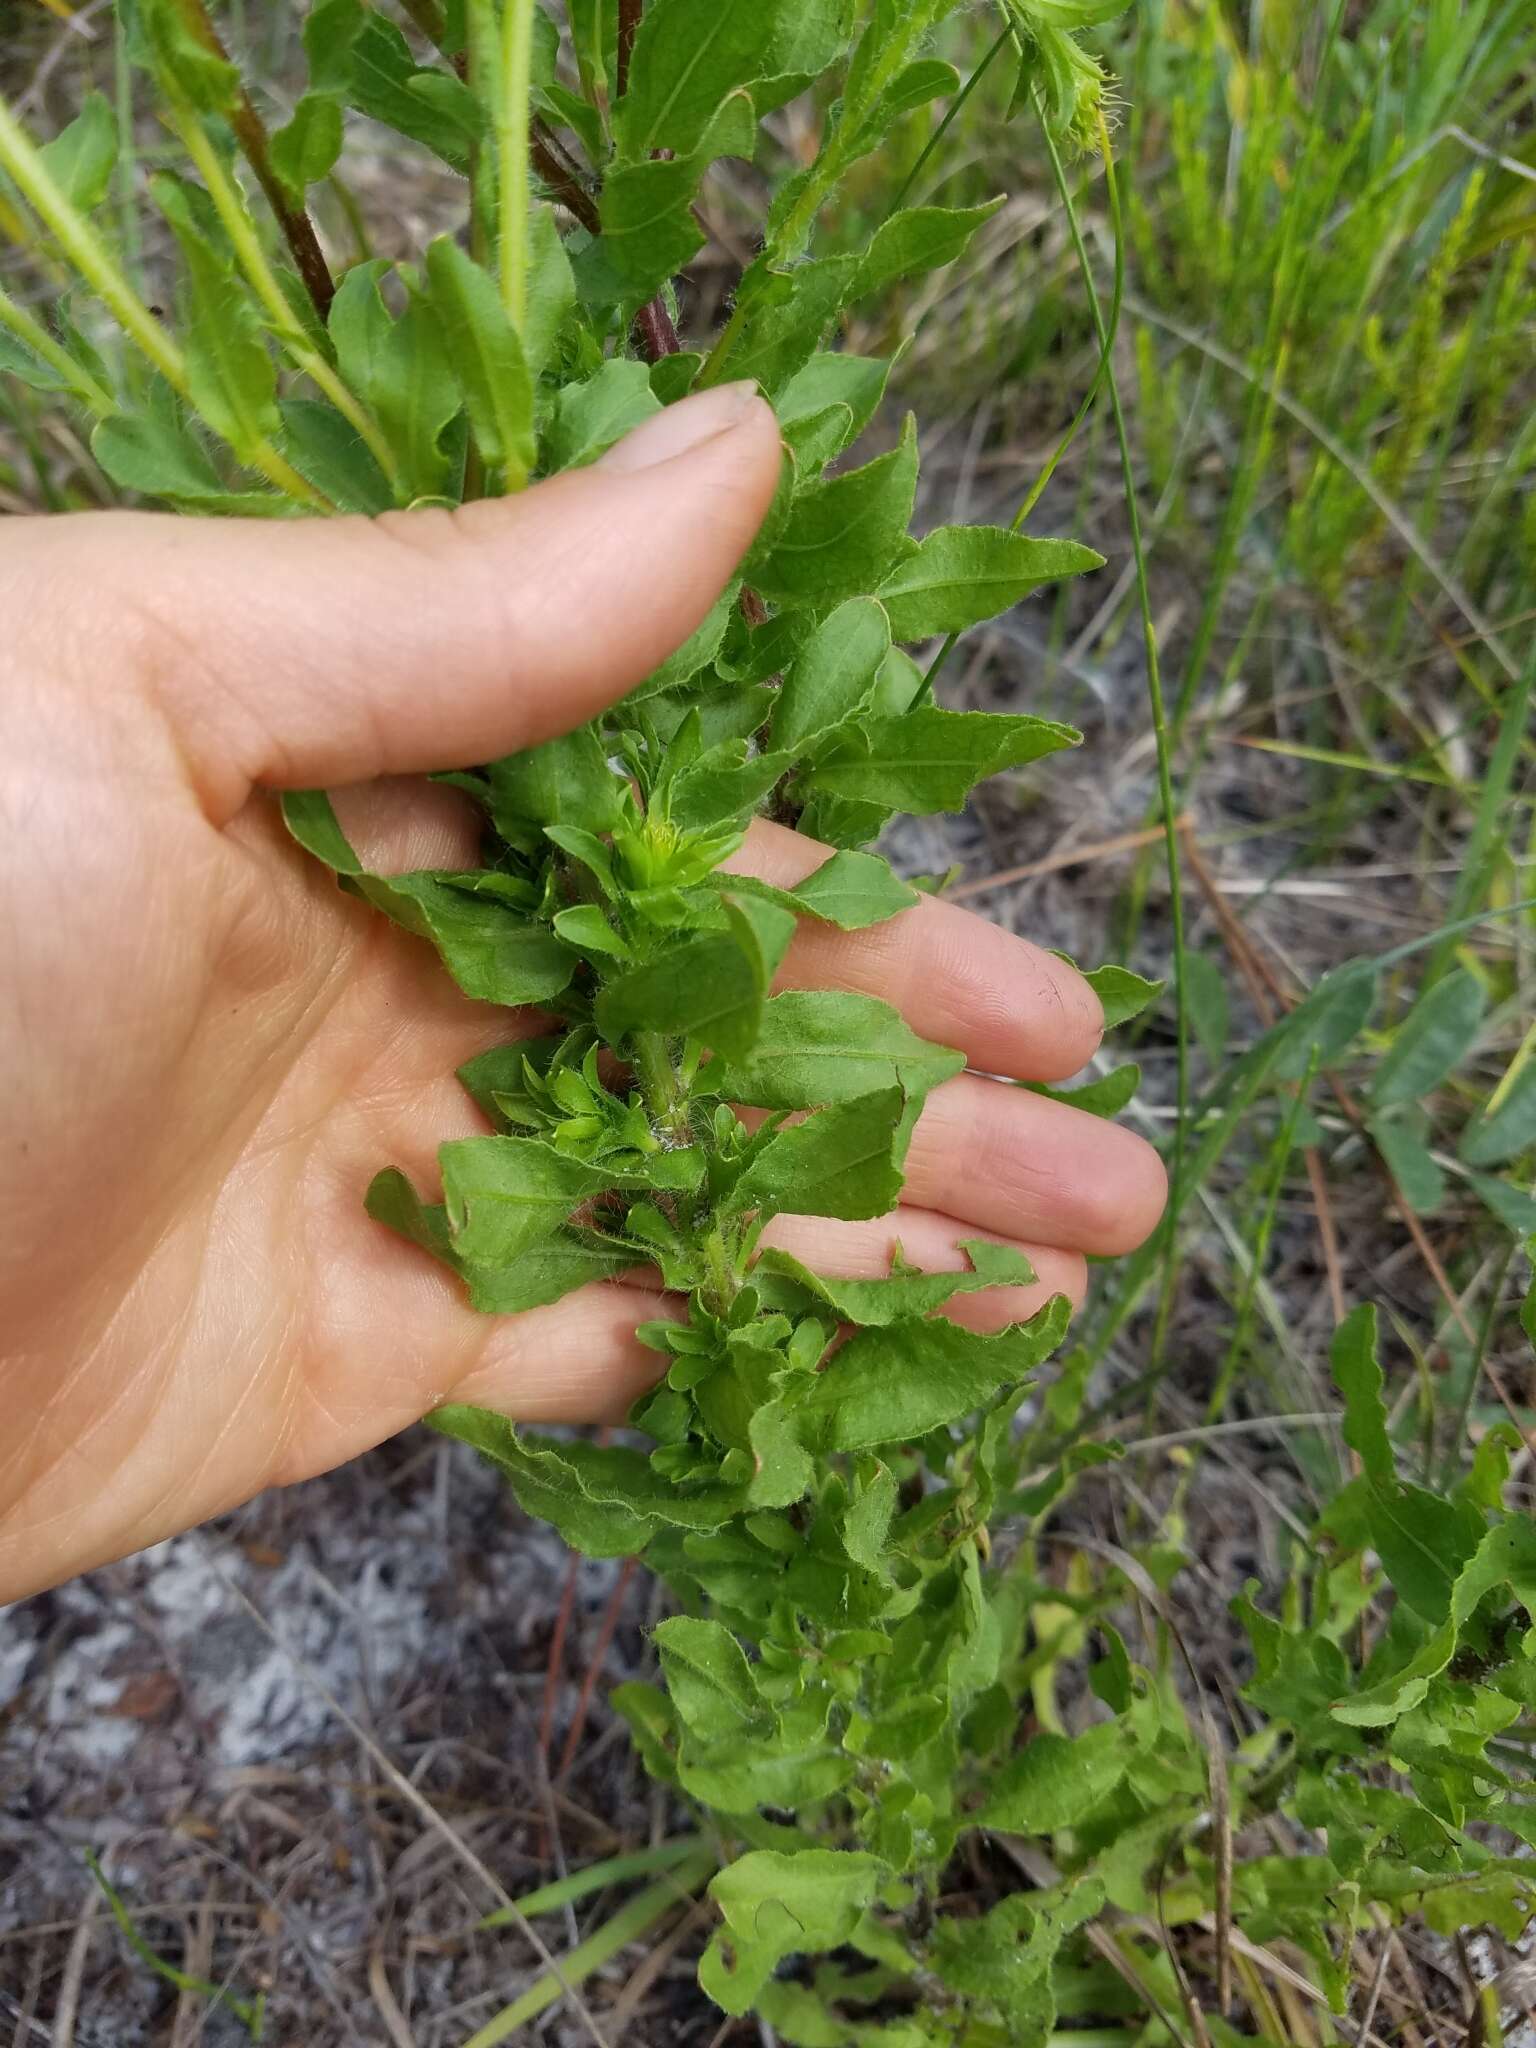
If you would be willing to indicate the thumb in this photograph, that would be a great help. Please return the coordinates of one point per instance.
(310, 652)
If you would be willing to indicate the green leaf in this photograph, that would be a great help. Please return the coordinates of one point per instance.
(649, 232)
(590, 417)
(1507, 1126)
(817, 1047)
(1434, 1038)
(593, 1496)
(487, 358)
(777, 1905)
(1122, 994)
(231, 377)
(1106, 1095)
(922, 237)
(711, 988)
(856, 383)
(1411, 1164)
(688, 56)
(843, 534)
(844, 1161)
(401, 371)
(380, 74)
(960, 575)
(565, 781)
(891, 1385)
(709, 1679)
(1423, 1541)
(161, 36)
(1358, 1378)
(1329, 1020)
(724, 786)
(551, 290)
(82, 157)
(1514, 1207)
(328, 450)
(833, 675)
(1205, 993)
(1057, 1781)
(392, 1200)
(161, 458)
(876, 1303)
(1505, 1556)
(853, 891)
(306, 148)
(503, 1195)
(929, 760)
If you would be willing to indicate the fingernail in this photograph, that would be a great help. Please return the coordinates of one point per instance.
(681, 427)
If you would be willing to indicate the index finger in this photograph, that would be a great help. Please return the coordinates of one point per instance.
(1011, 1007)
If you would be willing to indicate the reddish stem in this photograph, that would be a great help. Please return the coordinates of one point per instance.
(629, 27)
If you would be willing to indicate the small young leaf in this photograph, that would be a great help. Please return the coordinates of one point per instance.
(1106, 1095)
(1122, 994)
(306, 148)
(960, 575)
(82, 157)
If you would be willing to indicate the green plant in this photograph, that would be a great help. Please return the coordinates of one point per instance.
(823, 1501)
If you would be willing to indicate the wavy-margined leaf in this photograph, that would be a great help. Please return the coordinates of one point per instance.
(777, 1905)
(1505, 1556)
(844, 1161)
(589, 417)
(306, 148)
(960, 575)
(382, 75)
(875, 1303)
(1359, 1379)
(921, 237)
(843, 534)
(891, 1385)
(709, 1679)
(711, 988)
(929, 760)
(503, 1195)
(853, 891)
(565, 781)
(819, 1047)
(160, 457)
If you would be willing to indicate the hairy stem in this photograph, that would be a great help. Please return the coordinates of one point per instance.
(230, 206)
(512, 120)
(298, 230)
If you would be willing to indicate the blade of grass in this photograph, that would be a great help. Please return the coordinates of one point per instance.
(627, 1925)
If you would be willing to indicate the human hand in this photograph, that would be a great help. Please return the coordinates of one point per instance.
(211, 1049)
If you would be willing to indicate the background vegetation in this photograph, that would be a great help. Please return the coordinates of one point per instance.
(1325, 352)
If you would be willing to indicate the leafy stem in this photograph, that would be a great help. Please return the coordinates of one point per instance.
(298, 229)
(230, 205)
